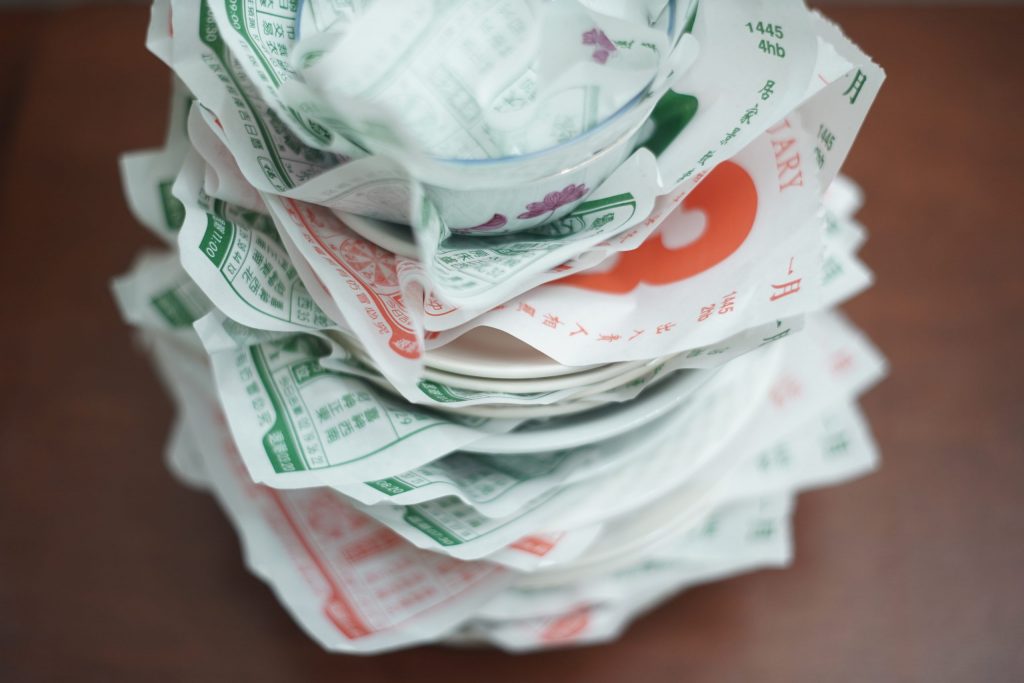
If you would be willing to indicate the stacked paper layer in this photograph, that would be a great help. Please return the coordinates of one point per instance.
(525, 440)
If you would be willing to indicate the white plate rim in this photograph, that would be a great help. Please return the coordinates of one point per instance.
(628, 415)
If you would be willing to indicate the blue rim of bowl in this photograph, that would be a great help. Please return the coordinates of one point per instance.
(639, 97)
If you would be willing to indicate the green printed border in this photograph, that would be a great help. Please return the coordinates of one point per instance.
(262, 368)
(209, 35)
(415, 511)
(242, 30)
(233, 228)
(398, 482)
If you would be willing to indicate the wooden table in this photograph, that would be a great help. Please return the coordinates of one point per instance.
(111, 571)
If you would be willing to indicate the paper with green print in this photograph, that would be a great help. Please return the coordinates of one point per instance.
(501, 485)
(261, 36)
(350, 583)
(478, 80)
(273, 162)
(456, 281)
(148, 175)
(829, 364)
(298, 424)
(158, 294)
(842, 276)
(461, 530)
(725, 415)
(751, 529)
(830, 448)
(236, 258)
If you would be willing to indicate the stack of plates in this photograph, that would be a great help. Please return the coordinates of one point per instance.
(563, 529)
(495, 363)
(399, 484)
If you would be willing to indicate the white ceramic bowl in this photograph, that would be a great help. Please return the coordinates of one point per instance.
(500, 196)
(514, 193)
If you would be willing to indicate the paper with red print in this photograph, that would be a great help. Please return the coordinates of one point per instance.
(837, 364)
(811, 439)
(464, 280)
(837, 86)
(842, 275)
(275, 163)
(830, 364)
(774, 273)
(744, 533)
(188, 376)
(546, 549)
(744, 249)
(450, 527)
(733, 537)
(362, 280)
(352, 584)
(737, 414)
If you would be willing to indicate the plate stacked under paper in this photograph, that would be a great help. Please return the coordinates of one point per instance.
(526, 439)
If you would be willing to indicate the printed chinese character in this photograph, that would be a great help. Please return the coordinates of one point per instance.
(552, 321)
(855, 86)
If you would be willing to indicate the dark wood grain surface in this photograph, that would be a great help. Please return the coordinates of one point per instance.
(111, 571)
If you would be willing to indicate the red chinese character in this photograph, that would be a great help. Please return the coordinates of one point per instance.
(535, 545)
(665, 327)
(785, 289)
(579, 330)
(609, 337)
(785, 389)
(527, 309)
(636, 333)
(552, 321)
(434, 304)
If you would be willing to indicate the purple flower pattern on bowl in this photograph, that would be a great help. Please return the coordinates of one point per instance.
(554, 200)
(496, 222)
(603, 47)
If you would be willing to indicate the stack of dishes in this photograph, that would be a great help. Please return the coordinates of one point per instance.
(523, 432)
